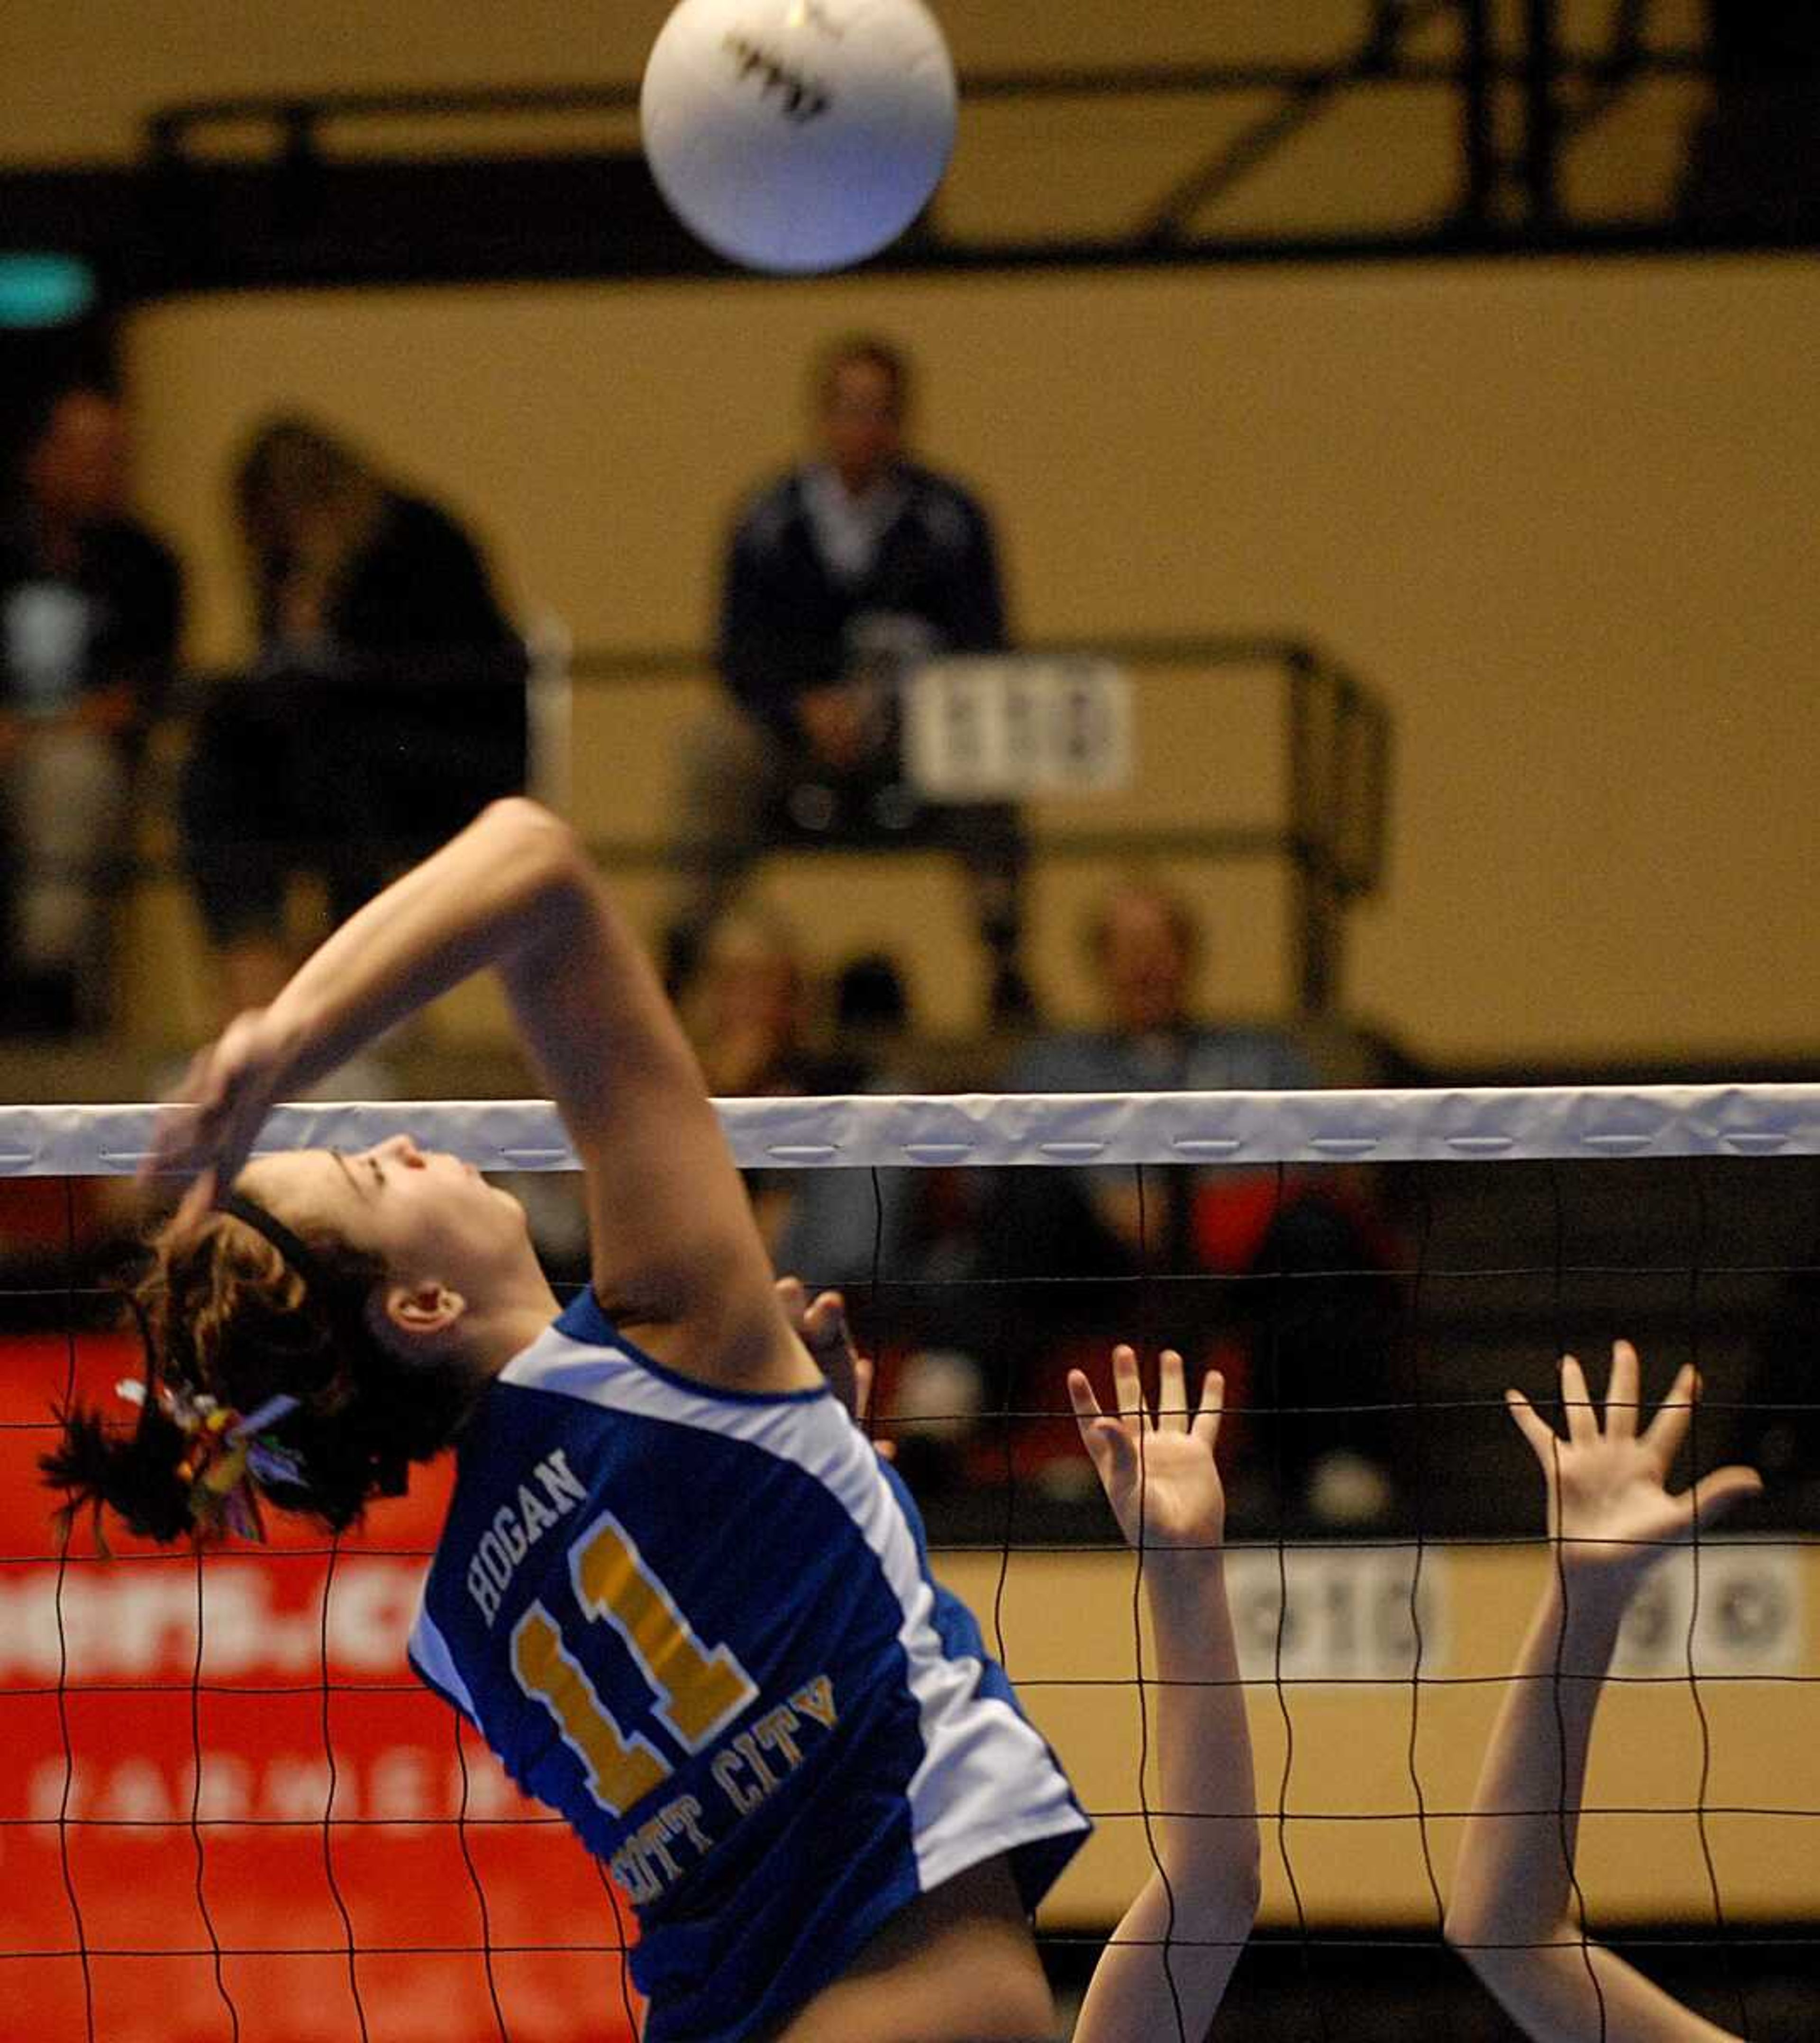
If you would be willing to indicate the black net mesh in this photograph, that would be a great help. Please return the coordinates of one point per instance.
(227, 1810)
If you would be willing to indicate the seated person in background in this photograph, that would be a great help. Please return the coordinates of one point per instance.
(1610, 1518)
(386, 707)
(841, 576)
(1144, 948)
(1319, 1343)
(90, 612)
(1777, 1422)
(748, 1008)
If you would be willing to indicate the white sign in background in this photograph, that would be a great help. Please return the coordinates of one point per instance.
(1349, 1618)
(1349, 1614)
(1740, 1600)
(993, 727)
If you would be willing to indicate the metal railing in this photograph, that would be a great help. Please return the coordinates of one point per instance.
(1332, 829)
(240, 190)
(1518, 99)
(1330, 832)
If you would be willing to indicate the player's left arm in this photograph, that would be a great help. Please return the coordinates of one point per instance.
(1165, 1970)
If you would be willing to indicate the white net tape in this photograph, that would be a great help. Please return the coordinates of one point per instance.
(1476, 1125)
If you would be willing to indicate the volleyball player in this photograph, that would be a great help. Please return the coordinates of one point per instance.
(677, 1590)
(1610, 1518)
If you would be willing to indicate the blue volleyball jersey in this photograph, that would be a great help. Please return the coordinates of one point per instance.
(700, 1624)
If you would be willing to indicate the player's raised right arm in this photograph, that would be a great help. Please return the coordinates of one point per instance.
(674, 1248)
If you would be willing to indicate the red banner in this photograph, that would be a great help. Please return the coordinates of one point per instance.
(223, 1794)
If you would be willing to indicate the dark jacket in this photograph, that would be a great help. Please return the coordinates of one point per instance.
(426, 666)
(132, 590)
(784, 615)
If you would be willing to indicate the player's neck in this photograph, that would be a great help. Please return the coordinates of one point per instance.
(505, 1326)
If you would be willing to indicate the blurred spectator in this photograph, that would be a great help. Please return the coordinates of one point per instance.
(1307, 1324)
(1144, 952)
(746, 1008)
(1753, 168)
(841, 576)
(751, 1012)
(90, 612)
(386, 707)
(1776, 1422)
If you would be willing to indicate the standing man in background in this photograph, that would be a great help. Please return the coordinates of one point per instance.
(842, 575)
(90, 613)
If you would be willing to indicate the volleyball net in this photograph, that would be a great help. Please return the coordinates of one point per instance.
(227, 1810)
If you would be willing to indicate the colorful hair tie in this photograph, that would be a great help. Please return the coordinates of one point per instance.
(227, 1454)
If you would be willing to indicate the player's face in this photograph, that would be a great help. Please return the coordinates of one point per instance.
(427, 1214)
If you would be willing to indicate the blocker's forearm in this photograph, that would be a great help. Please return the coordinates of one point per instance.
(1166, 1968)
(1208, 1834)
(1513, 1875)
(1512, 1916)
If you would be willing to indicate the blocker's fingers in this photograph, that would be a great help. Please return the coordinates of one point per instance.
(1673, 1417)
(794, 1299)
(1213, 1408)
(1104, 1438)
(1621, 1392)
(1172, 1392)
(1582, 1421)
(1116, 1455)
(1128, 1387)
(1081, 1396)
(1542, 1436)
(826, 1318)
(1716, 1493)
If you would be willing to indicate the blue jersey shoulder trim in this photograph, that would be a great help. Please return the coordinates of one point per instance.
(584, 1319)
(461, 1707)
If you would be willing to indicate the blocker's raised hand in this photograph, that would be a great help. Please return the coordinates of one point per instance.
(1609, 1501)
(821, 1323)
(1159, 1477)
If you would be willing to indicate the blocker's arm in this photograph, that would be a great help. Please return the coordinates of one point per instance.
(1166, 1968)
(1512, 1916)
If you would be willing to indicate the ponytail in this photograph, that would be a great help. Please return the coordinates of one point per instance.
(239, 1315)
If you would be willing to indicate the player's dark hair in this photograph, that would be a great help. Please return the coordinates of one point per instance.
(226, 1315)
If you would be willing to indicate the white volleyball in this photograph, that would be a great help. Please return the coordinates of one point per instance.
(798, 136)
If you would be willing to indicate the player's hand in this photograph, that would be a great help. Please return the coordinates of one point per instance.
(207, 1130)
(1159, 1477)
(1609, 1501)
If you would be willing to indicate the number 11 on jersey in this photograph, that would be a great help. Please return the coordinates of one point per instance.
(699, 1690)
